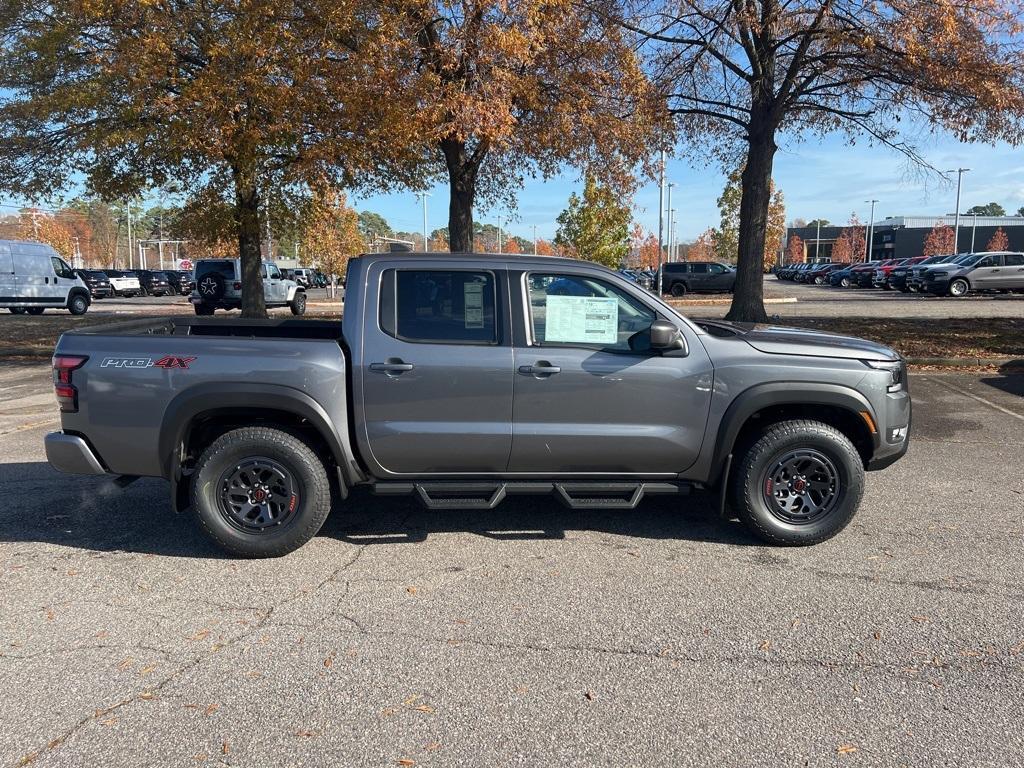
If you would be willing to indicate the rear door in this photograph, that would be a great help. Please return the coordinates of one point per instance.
(590, 398)
(8, 284)
(437, 369)
(1013, 272)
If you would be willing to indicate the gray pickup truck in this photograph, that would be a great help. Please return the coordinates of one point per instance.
(463, 378)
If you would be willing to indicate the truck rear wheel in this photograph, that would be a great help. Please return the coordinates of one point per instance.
(260, 492)
(799, 483)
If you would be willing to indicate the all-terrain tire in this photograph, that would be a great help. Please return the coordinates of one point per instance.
(307, 486)
(298, 304)
(749, 489)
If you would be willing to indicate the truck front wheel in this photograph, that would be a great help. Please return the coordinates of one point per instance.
(260, 492)
(298, 304)
(799, 483)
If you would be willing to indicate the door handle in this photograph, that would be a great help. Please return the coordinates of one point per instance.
(392, 367)
(541, 368)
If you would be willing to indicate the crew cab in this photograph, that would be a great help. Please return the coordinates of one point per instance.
(464, 378)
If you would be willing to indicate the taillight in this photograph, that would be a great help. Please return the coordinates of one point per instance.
(67, 394)
(238, 286)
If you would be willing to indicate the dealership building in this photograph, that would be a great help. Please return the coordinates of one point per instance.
(902, 237)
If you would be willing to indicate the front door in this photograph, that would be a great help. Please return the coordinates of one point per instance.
(276, 289)
(590, 396)
(987, 273)
(437, 370)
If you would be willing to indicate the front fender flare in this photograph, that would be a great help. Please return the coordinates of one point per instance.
(776, 393)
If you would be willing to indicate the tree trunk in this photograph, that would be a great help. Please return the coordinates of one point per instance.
(748, 297)
(462, 191)
(247, 219)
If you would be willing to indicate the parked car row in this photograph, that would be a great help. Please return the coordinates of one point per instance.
(954, 275)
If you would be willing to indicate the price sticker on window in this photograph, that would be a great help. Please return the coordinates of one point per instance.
(582, 320)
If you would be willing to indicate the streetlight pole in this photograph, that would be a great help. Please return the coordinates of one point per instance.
(661, 219)
(423, 196)
(534, 239)
(871, 232)
(499, 234)
(956, 220)
(974, 230)
(817, 242)
(672, 235)
(671, 210)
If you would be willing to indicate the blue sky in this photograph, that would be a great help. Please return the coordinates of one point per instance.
(827, 178)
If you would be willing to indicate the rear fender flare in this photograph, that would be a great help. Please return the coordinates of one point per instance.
(183, 410)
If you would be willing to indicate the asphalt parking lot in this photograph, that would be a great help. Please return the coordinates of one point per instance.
(530, 635)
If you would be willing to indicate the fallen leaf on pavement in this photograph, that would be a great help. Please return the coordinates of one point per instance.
(845, 749)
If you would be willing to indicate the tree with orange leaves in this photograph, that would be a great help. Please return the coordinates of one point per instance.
(506, 88)
(795, 252)
(940, 241)
(246, 104)
(703, 248)
(740, 75)
(999, 241)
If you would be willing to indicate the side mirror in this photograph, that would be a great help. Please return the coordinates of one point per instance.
(665, 336)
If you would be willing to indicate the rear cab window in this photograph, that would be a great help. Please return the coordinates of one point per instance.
(439, 306)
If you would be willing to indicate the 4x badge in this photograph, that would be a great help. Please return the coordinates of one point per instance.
(168, 361)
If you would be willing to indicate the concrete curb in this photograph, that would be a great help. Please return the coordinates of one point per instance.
(723, 302)
(965, 362)
(31, 351)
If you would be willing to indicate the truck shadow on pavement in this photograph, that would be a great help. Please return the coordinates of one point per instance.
(367, 519)
(1010, 378)
(92, 513)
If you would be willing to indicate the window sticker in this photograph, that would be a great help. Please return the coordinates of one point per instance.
(582, 320)
(473, 295)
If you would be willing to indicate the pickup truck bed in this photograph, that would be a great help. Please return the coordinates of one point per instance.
(462, 379)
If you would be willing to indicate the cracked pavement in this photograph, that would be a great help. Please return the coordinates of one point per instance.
(529, 635)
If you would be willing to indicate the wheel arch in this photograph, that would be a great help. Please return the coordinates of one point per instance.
(78, 290)
(195, 418)
(764, 404)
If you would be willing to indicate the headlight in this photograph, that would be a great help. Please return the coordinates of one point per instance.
(897, 372)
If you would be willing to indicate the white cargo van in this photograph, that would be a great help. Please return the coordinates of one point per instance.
(33, 278)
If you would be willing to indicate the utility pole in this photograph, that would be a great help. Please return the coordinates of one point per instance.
(77, 258)
(871, 232)
(817, 242)
(270, 242)
(661, 219)
(160, 242)
(673, 236)
(534, 239)
(956, 220)
(671, 210)
(499, 234)
(130, 234)
(423, 196)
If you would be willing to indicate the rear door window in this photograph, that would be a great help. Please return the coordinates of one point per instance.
(439, 306)
(1015, 259)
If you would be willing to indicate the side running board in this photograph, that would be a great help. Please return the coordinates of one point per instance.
(483, 495)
